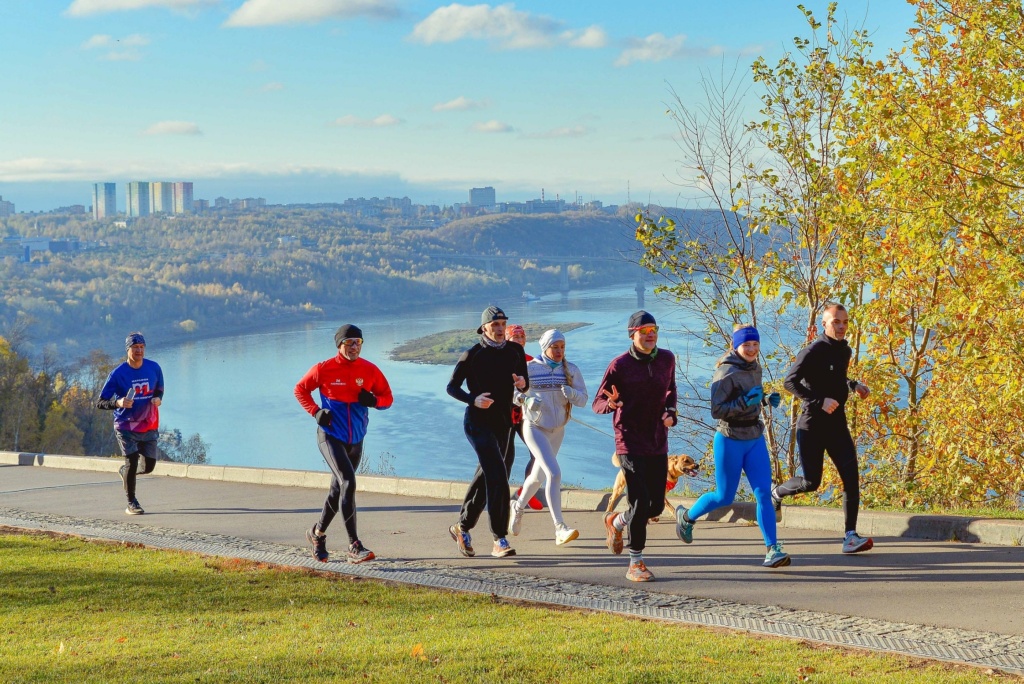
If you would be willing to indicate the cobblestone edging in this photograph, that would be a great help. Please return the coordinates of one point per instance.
(1003, 652)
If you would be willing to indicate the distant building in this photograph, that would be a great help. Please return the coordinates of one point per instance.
(6, 208)
(221, 203)
(482, 197)
(200, 205)
(104, 200)
(161, 197)
(71, 209)
(542, 206)
(183, 203)
(137, 199)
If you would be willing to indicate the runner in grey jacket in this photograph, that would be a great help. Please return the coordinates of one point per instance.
(556, 385)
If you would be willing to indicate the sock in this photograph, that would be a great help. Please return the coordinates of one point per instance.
(618, 523)
(686, 518)
(635, 557)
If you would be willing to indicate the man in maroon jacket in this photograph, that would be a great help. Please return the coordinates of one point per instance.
(639, 389)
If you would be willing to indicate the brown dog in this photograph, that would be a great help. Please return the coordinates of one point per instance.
(677, 467)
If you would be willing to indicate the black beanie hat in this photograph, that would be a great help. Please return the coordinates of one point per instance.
(639, 320)
(491, 313)
(345, 332)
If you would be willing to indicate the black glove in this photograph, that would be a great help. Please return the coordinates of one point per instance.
(323, 417)
(367, 399)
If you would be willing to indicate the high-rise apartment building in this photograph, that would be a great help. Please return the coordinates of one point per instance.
(183, 198)
(161, 197)
(104, 200)
(6, 208)
(482, 197)
(137, 202)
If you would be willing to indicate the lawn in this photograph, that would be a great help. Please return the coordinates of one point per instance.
(81, 611)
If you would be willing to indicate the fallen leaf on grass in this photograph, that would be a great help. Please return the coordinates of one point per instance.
(708, 660)
(417, 652)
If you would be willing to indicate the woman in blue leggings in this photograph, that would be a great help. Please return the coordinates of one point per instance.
(736, 400)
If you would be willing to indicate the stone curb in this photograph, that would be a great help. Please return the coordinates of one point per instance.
(871, 523)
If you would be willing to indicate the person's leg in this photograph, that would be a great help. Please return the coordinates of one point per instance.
(476, 495)
(757, 465)
(545, 444)
(130, 450)
(812, 460)
(843, 453)
(728, 454)
(492, 451)
(148, 450)
(645, 488)
(341, 497)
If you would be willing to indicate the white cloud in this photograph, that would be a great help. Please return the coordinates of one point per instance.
(459, 104)
(102, 40)
(654, 48)
(274, 12)
(503, 26)
(173, 128)
(83, 8)
(492, 126)
(563, 132)
(97, 41)
(590, 37)
(351, 121)
(272, 86)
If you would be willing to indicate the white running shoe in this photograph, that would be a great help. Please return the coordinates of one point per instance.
(565, 534)
(515, 523)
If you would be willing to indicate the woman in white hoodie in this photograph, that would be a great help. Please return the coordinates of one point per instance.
(555, 387)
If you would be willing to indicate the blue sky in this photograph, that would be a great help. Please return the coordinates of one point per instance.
(320, 100)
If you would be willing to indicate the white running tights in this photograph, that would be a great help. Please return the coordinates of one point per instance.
(544, 445)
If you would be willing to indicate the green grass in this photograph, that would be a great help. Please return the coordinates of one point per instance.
(77, 611)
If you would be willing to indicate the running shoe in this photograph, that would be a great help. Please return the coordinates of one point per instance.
(684, 529)
(854, 543)
(319, 542)
(357, 553)
(614, 540)
(776, 557)
(515, 524)
(463, 539)
(123, 472)
(638, 572)
(565, 534)
(134, 508)
(502, 549)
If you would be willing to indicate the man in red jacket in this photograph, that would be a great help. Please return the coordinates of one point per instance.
(349, 387)
(639, 389)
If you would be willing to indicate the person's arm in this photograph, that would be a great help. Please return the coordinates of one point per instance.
(521, 369)
(724, 405)
(381, 390)
(576, 391)
(108, 395)
(304, 390)
(798, 372)
(671, 397)
(600, 403)
(459, 375)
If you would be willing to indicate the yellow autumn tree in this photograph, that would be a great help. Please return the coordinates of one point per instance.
(936, 237)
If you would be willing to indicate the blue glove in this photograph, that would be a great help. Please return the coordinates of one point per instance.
(774, 399)
(754, 396)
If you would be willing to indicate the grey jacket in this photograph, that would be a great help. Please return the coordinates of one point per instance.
(733, 378)
(545, 404)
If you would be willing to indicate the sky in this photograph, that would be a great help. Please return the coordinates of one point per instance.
(302, 101)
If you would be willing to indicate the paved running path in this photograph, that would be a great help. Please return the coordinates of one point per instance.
(955, 601)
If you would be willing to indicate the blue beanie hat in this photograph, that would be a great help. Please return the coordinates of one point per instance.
(745, 334)
(133, 338)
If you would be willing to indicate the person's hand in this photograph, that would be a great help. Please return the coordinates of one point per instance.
(829, 405)
(323, 417)
(754, 396)
(532, 401)
(862, 391)
(483, 401)
(774, 399)
(156, 401)
(125, 402)
(613, 398)
(568, 392)
(367, 399)
(519, 381)
(668, 419)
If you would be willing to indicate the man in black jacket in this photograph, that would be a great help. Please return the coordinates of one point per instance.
(818, 379)
(489, 369)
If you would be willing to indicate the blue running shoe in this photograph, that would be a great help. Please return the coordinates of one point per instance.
(854, 543)
(776, 557)
(684, 529)
(319, 542)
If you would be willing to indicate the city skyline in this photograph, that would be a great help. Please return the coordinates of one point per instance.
(316, 100)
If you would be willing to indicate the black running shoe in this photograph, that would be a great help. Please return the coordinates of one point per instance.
(319, 542)
(134, 508)
(357, 553)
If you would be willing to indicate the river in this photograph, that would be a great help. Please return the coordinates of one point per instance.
(236, 392)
